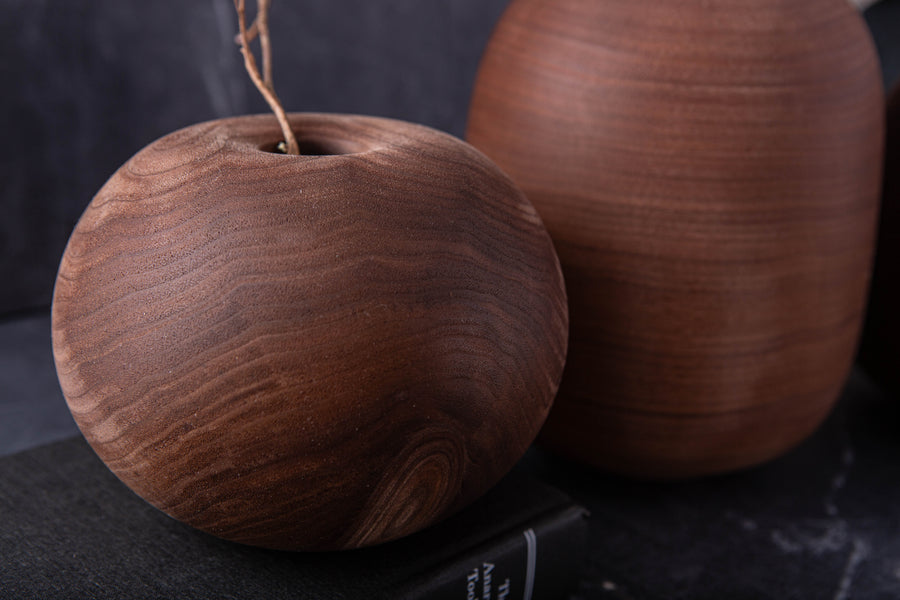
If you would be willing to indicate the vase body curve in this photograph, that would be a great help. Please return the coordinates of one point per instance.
(709, 173)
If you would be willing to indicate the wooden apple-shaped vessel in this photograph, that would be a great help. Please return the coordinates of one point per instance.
(880, 349)
(709, 173)
(309, 352)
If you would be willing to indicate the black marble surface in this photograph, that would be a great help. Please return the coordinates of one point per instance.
(823, 521)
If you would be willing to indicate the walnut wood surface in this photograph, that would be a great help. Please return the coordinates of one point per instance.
(709, 172)
(311, 352)
(880, 350)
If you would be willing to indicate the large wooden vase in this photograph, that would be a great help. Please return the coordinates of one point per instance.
(709, 171)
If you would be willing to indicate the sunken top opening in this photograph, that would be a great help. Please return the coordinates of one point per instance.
(318, 145)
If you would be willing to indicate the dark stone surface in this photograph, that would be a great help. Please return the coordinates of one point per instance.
(820, 522)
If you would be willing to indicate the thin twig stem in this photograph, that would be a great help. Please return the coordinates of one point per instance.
(263, 86)
(265, 44)
(252, 32)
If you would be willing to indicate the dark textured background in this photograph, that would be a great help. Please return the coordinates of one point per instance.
(89, 83)
(883, 19)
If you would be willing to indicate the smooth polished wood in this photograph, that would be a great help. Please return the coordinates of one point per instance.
(709, 172)
(309, 352)
(879, 351)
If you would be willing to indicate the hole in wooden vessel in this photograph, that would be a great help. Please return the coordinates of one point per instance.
(317, 146)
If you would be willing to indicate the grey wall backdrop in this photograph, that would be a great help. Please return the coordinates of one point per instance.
(87, 83)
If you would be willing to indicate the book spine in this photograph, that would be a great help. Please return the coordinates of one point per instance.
(539, 560)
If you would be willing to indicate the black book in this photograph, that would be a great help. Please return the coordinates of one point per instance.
(70, 529)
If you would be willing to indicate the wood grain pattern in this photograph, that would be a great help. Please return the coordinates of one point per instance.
(879, 351)
(709, 172)
(309, 352)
